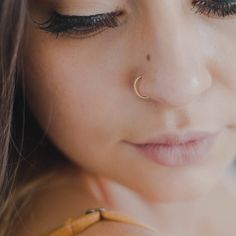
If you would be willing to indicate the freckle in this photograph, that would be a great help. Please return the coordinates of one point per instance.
(148, 57)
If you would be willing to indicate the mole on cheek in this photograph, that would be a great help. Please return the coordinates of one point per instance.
(148, 57)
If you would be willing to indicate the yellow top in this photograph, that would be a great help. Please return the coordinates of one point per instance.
(73, 227)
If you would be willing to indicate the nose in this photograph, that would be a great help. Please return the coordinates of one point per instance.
(176, 73)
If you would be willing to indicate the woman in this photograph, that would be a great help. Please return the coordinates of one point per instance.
(126, 105)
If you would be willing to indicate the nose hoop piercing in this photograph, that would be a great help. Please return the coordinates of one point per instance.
(136, 90)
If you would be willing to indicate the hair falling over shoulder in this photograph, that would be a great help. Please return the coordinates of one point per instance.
(19, 177)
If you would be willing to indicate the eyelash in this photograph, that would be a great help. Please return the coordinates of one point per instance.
(87, 26)
(84, 26)
(219, 8)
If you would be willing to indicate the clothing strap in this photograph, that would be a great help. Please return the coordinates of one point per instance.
(72, 227)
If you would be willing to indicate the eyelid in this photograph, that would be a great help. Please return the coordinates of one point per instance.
(85, 6)
(84, 16)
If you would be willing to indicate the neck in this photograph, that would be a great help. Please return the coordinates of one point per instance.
(163, 216)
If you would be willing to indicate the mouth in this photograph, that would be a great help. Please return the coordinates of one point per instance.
(173, 149)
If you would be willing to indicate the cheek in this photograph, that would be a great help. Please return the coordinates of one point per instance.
(79, 107)
(220, 49)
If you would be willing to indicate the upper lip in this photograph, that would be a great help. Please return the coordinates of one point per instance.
(178, 138)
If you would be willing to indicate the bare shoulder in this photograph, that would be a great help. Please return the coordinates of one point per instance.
(68, 197)
(63, 196)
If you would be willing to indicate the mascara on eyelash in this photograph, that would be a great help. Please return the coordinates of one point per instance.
(220, 8)
(60, 23)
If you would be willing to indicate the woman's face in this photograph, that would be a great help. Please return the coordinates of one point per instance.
(80, 88)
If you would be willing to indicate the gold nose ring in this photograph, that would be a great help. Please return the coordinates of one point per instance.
(136, 90)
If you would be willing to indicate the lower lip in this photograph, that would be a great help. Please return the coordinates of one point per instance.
(178, 155)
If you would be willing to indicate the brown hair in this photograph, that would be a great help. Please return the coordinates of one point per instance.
(20, 135)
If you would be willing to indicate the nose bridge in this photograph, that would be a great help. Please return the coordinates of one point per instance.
(176, 74)
(166, 29)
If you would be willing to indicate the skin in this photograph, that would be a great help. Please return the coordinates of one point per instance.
(80, 91)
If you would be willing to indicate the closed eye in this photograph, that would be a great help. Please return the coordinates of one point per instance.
(59, 24)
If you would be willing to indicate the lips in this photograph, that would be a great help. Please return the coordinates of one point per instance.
(174, 138)
(173, 149)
